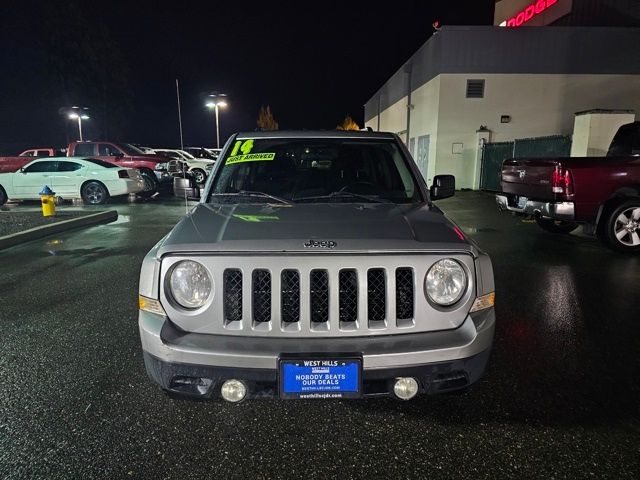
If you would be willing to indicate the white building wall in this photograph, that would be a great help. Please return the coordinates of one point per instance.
(539, 105)
(394, 119)
(593, 132)
(424, 120)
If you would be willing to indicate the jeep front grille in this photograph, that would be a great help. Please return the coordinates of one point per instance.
(290, 296)
(404, 293)
(261, 293)
(376, 298)
(348, 296)
(232, 295)
(319, 296)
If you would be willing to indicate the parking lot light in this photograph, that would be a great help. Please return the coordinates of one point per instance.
(74, 115)
(217, 101)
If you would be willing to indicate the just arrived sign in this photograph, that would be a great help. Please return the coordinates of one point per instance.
(528, 13)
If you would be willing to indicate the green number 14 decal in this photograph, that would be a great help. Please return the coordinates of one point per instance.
(245, 147)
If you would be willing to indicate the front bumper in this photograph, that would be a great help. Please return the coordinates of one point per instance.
(196, 364)
(554, 210)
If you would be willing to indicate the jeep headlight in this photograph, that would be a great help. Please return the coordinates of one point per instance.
(446, 282)
(190, 284)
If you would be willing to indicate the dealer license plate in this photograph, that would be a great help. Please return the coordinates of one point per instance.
(320, 378)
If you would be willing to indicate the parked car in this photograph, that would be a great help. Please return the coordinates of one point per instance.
(90, 179)
(201, 152)
(195, 166)
(153, 168)
(11, 164)
(601, 193)
(316, 265)
(43, 152)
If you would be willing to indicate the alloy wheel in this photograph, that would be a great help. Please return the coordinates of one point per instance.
(627, 227)
(94, 193)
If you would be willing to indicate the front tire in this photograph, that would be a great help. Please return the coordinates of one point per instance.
(150, 184)
(622, 227)
(3, 197)
(556, 226)
(94, 193)
(199, 176)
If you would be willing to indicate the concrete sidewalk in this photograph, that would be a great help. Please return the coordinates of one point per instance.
(20, 227)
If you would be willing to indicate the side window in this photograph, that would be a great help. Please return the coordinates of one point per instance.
(84, 150)
(40, 167)
(68, 166)
(43, 153)
(107, 150)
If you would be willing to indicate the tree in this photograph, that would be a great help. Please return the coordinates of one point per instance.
(266, 122)
(348, 124)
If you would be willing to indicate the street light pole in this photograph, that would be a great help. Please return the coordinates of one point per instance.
(80, 126)
(217, 101)
(76, 114)
(217, 128)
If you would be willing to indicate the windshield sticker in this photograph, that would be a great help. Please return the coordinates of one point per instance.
(251, 157)
(244, 146)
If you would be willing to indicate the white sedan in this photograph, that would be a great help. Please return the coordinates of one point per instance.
(90, 179)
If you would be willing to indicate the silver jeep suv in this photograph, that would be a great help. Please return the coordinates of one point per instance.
(316, 266)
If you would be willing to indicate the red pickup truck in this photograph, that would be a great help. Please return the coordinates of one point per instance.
(11, 164)
(153, 168)
(601, 193)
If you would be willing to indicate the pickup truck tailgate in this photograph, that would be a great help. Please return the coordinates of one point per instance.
(529, 177)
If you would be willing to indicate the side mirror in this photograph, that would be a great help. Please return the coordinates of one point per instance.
(22, 170)
(444, 186)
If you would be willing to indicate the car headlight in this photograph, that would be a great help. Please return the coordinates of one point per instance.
(190, 284)
(446, 282)
(162, 166)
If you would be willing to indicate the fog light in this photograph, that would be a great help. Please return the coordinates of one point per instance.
(233, 390)
(405, 388)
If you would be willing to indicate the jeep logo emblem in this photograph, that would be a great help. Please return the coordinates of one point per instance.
(320, 244)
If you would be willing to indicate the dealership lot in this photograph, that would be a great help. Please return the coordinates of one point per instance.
(561, 397)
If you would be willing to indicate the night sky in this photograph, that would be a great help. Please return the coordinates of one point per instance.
(313, 63)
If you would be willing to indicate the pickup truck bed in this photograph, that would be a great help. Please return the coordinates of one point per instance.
(602, 193)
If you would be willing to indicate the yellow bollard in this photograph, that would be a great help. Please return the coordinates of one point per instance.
(48, 200)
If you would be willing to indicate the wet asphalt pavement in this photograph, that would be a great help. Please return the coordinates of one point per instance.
(561, 397)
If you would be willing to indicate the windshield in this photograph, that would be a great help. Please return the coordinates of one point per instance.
(314, 171)
(186, 155)
(129, 149)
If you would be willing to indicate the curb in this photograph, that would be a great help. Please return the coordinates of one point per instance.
(59, 227)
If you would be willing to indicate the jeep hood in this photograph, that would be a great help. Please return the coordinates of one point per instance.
(336, 227)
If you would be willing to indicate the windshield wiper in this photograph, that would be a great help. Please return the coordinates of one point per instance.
(247, 193)
(369, 198)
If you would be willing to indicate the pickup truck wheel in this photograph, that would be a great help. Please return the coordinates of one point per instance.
(150, 184)
(556, 226)
(199, 175)
(622, 227)
(3, 196)
(94, 193)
